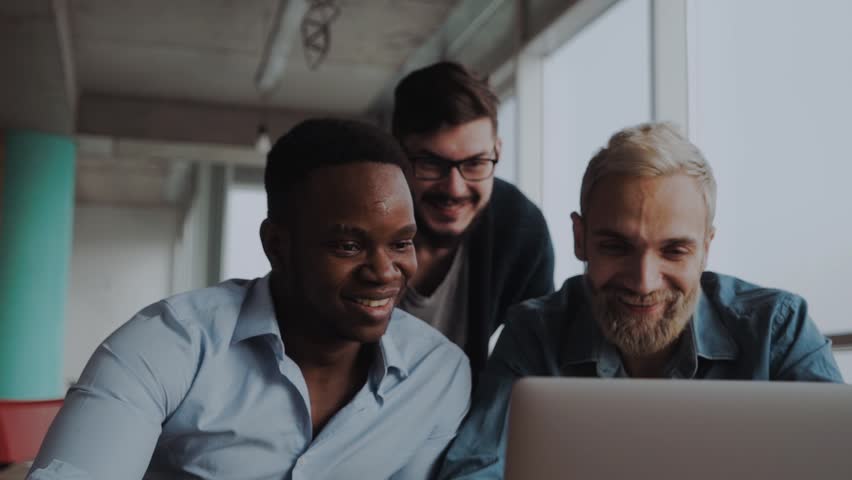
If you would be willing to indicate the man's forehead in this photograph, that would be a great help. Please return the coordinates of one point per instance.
(665, 205)
(358, 180)
(365, 189)
(470, 138)
(379, 207)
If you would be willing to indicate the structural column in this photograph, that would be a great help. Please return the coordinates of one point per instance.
(36, 225)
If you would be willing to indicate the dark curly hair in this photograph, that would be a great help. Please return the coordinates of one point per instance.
(320, 143)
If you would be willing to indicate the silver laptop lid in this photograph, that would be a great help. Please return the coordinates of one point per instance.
(678, 429)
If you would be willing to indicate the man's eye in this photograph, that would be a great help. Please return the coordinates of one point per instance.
(676, 253)
(431, 162)
(613, 248)
(347, 247)
(403, 245)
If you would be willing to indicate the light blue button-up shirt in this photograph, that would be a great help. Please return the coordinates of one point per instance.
(739, 332)
(199, 386)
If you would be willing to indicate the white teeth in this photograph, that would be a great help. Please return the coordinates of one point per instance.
(372, 303)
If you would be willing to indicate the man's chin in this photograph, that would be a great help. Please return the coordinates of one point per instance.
(644, 337)
(370, 334)
(641, 335)
(444, 235)
(441, 237)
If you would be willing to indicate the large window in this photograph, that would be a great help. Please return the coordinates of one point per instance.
(242, 253)
(770, 99)
(507, 125)
(594, 85)
(763, 89)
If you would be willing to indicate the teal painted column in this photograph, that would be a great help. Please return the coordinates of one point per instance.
(36, 225)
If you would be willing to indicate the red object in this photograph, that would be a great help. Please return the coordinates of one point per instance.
(23, 425)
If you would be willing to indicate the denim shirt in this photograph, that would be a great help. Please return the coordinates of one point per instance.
(200, 386)
(739, 331)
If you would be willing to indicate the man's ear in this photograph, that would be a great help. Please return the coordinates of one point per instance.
(276, 242)
(579, 237)
(711, 234)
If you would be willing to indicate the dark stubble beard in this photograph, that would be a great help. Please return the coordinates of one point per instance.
(638, 335)
(444, 240)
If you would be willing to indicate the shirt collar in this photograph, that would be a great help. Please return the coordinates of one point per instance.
(583, 339)
(257, 318)
(257, 314)
(706, 336)
(389, 359)
(712, 338)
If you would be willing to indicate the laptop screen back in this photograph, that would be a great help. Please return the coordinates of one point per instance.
(678, 429)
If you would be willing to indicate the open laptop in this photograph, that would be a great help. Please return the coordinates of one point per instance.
(678, 429)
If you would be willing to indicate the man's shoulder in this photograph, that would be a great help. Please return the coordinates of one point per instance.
(747, 300)
(516, 225)
(509, 202)
(416, 340)
(213, 310)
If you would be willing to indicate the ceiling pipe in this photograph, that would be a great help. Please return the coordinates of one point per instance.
(278, 44)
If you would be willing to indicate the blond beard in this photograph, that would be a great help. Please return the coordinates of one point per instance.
(641, 335)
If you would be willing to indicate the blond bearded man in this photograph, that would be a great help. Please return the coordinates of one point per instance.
(645, 306)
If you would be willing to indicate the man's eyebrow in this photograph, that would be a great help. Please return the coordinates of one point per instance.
(606, 232)
(408, 230)
(685, 241)
(344, 229)
(428, 153)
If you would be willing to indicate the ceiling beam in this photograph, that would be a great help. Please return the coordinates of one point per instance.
(181, 121)
(118, 149)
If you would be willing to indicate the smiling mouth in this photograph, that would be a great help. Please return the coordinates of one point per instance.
(371, 303)
(448, 202)
(641, 307)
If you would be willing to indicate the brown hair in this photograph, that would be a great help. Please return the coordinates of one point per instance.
(443, 94)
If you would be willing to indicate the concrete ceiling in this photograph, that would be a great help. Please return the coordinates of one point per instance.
(209, 51)
(184, 71)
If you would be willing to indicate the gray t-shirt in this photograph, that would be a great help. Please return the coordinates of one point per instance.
(446, 308)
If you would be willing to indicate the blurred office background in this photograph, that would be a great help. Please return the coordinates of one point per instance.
(131, 170)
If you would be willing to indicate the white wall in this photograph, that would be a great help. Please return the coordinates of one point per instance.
(769, 82)
(121, 261)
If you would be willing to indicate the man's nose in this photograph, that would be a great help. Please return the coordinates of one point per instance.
(381, 268)
(645, 275)
(454, 184)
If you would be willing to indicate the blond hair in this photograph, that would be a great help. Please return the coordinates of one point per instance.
(650, 150)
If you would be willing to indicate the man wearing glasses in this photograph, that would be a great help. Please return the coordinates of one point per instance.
(482, 246)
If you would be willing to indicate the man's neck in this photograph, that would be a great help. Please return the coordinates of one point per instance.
(334, 369)
(649, 366)
(311, 347)
(433, 264)
(321, 355)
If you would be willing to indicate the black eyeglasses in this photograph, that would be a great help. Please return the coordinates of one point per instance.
(432, 167)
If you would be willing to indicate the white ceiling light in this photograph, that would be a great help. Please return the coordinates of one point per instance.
(263, 143)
